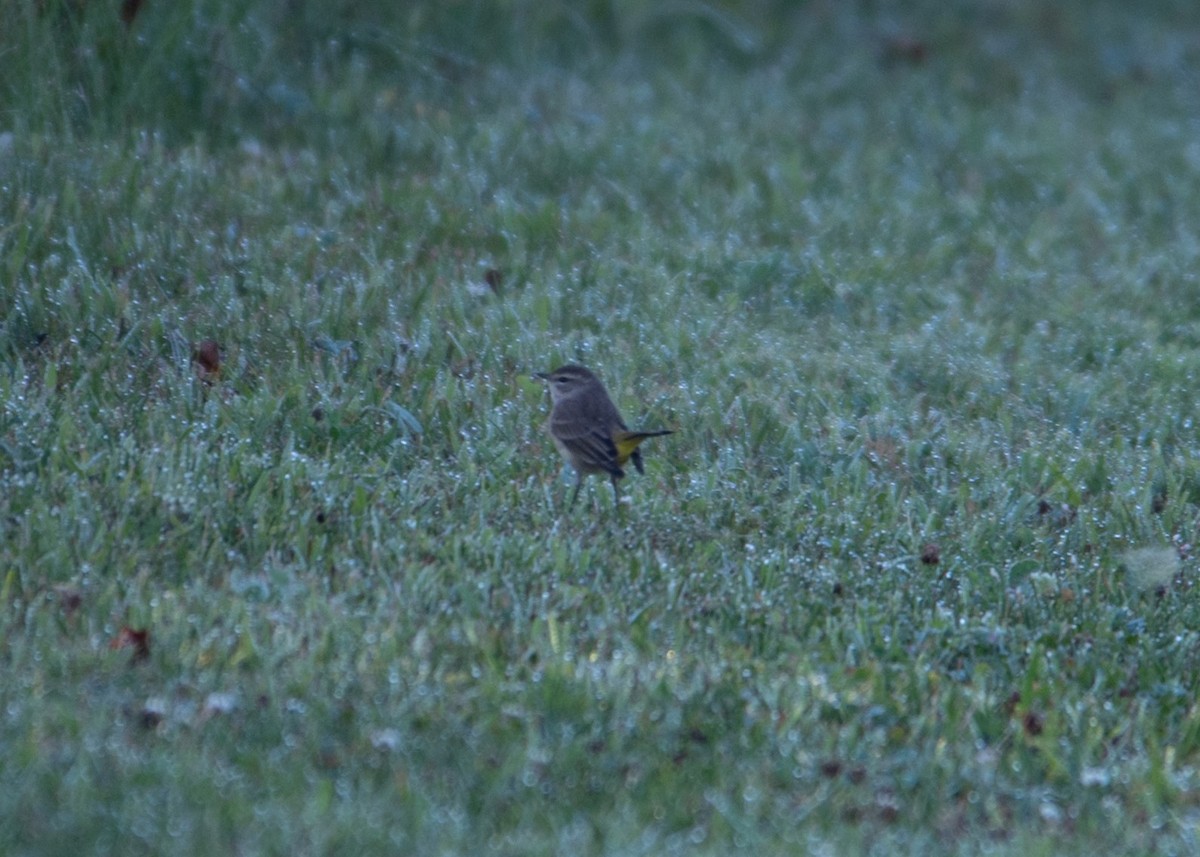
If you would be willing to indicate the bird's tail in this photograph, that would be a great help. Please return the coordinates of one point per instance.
(627, 443)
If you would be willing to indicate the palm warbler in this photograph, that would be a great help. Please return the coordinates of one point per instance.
(587, 427)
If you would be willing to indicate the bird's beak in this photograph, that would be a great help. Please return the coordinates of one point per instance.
(542, 376)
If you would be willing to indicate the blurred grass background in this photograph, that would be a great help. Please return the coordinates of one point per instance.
(916, 282)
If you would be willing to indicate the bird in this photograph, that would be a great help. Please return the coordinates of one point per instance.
(588, 429)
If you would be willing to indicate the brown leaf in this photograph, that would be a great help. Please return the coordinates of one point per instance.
(493, 277)
(1062, 515)
(129, 10)
(70, 599)
(888, 807)
(901, 47)
(133, 638)
(1033, 723)
(830, 768)
(207, 356)
(149, 717)
(931, 554)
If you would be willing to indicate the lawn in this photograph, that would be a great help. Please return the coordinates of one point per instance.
(286, 565)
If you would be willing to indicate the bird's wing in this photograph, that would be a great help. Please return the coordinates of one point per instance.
(594, 448)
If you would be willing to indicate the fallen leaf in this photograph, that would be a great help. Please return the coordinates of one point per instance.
(207, 356)
(152, 713)
(1033, 723)
(133, 638)
(905, 48)
(69, 598)
(493, 278)
(129, 10)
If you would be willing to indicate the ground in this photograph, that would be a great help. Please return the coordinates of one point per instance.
(286, 564)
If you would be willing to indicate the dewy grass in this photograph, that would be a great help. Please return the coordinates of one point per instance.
(914, 574)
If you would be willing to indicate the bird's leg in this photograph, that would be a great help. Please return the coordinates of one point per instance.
(575, 493)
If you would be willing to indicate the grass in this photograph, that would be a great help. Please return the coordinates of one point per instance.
(915, 286)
